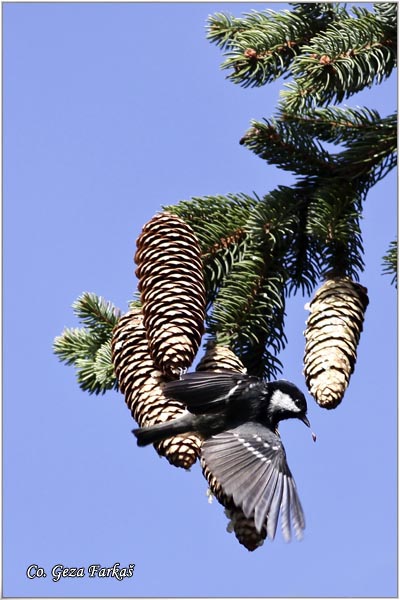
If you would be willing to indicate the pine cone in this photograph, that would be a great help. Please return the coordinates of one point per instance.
(220, 358)
(332, 335)
(141, 383)
(244, 529)
(170, 274)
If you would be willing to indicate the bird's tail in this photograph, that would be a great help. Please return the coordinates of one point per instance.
(162, 431)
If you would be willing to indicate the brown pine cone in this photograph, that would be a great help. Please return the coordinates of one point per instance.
(141, 383)
(332, 335)
(171, 284)
(244, 529)
(220, 358)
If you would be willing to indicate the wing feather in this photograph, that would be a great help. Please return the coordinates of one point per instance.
(264, 504)
(208, 391)
(285, 509)
(250, 464)
(250, 471)
(297, 510)
(249, 487)
(235, 471)
(273, 513)
(253, 499)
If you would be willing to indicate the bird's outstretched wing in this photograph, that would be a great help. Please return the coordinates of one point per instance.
(209, 391)
(250, 464)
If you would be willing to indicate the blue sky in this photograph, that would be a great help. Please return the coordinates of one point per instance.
(110, 111)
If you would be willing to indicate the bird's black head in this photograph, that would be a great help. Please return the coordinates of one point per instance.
(286, 401)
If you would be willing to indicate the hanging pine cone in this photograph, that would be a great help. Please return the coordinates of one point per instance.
(332, 335)
(244, 529)
(220, 358)
(171, 284)
(141, 382)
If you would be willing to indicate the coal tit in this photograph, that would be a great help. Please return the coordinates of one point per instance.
(237, 415)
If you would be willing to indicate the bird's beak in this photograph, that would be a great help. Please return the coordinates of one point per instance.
(305, 420)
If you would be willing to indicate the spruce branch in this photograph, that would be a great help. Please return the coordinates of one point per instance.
(292, 142)
(284, 213)
(98, 315)
(262, 45)
(369, 142)
(248, 314)
(96, 375)
(88, 347)
(333, 221)
(371, 155)
(75, 343)
(104, 369)
(390, 264)
(219, 264)
(214, 219)
(386, 12)
(336, 124)
(351, 54)
(223, 29)
(288, 145)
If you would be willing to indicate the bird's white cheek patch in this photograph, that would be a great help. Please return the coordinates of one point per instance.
(284, 401)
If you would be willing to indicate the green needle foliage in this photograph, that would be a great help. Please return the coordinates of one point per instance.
(330, 54)
(390, 262)
(88, 348)
(257, 250)
(262, 46)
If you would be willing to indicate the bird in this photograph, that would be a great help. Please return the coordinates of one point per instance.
(237, 416)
